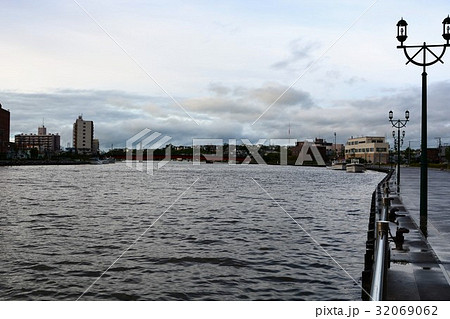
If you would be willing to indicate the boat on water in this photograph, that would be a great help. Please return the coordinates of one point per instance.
(109, 160)
(338, 165)
(97, 161)
(355, 167)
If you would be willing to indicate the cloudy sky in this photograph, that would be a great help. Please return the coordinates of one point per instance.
(220, 69)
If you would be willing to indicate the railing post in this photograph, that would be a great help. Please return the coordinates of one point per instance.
(378, 289)
(381, 249)
(376, 258)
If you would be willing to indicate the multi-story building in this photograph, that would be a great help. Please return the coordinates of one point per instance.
(4, 130)
(318, 144)
(372, 149)
(83, 136)
(95, 146)
(43, 142)
(333, 151)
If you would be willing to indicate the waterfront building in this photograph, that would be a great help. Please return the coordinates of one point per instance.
(318, 143)
(95, 146)
(433, 155)
(338, 149)
(4, 130)
(371, 149)
(43, 142)
(332, 150)
(83, 136)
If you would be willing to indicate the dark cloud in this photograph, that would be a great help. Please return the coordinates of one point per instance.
(229, 114)
(283, 95)
(59, 110)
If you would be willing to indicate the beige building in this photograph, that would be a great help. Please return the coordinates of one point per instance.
(43, 142)
(372, 149)
(83, 136)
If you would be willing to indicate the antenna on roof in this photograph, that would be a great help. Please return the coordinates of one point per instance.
(289, 131)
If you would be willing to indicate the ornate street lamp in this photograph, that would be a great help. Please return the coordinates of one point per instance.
(446, 29)
(398, 124)
(401, 31)
(423, 60)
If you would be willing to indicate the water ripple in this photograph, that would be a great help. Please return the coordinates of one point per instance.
(225, 239)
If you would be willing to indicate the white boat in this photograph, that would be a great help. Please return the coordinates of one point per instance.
(355, 167)
(338, 165)
(109, 160)
(95, 161)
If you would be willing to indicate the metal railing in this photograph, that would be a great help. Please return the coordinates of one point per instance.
(377, 291)
(377, 245)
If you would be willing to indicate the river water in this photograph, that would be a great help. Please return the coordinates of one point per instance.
(188, 232)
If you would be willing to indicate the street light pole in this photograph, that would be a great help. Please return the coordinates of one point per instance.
(335, 147)
(409, 153)
(401, 37)
(398, 124)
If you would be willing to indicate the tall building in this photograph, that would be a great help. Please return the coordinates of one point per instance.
(43, 142)
(4, 130)
(42, 130)
(95, 146)
(83, 136)
(372, 149)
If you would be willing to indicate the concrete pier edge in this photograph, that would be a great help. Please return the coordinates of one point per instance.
(415, 272)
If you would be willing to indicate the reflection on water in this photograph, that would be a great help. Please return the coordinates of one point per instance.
(225, 239)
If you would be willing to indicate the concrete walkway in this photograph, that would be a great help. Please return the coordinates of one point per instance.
(421, 271)
(438, 206)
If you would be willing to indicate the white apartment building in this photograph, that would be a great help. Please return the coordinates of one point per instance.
(83, 136)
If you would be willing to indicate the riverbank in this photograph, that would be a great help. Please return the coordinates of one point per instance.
(40, 163)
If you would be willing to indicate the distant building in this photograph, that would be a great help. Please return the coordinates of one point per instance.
(4, 130)
(332, 150)
(433, 155)
(95, 146)
(42, 130)
(338, 149)
(83, 136)
(43, 142)
(372, 149)
(296, 150)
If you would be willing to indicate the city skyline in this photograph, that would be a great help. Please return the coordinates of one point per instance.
(202, 70)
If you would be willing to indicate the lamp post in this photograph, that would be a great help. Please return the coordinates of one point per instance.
(335, 147)
(423, 61)
(398, 124)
